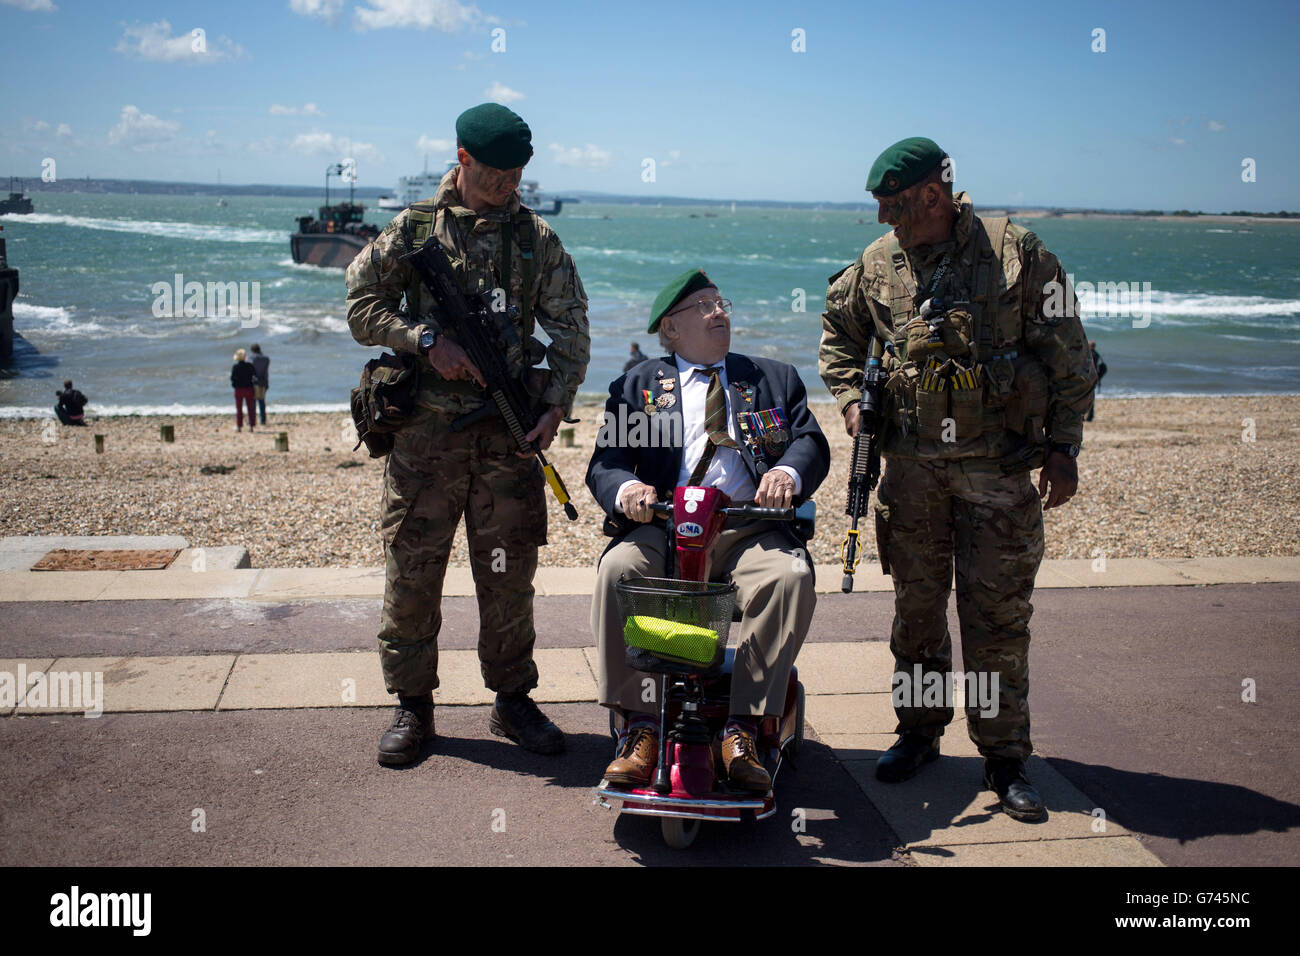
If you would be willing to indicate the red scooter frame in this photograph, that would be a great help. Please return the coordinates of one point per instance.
(689, 783)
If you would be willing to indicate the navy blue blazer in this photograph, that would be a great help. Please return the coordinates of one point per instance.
(756, 384)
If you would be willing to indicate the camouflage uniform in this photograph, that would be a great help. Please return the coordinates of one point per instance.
(434, 474)
(968, 498)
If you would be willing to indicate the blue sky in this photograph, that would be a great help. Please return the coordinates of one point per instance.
(1163, 118)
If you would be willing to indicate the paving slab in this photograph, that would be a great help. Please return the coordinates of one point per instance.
(178, 585)
(563, 675)
(850, 713)
(223, 558)
(1051, 577)
(90, 542)
(141, 684)
(1236, 570)
(270, 681)
(1116, 851)
(286, 584)
(946, 805)
(56, 585)
(868, 577)
(459, 582)
(832, 667)
(553, 581)
(955, 742)
(17, 679)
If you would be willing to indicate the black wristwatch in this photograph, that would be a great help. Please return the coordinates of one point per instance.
(427, 340)
(1065, 448)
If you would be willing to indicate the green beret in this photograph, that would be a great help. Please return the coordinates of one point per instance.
(690, 281)
(495, 135)
(904, 164)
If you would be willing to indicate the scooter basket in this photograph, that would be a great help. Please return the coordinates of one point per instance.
(687, 622)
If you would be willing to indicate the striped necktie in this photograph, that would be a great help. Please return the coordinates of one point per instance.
(715, 424)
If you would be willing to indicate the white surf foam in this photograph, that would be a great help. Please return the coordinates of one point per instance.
(169, 230)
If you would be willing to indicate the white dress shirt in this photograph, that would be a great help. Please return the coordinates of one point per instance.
(727, 470)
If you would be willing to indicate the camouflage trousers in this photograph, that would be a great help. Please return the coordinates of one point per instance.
(932, 514)
(434, 475)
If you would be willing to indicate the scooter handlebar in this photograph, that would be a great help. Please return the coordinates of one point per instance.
(754, 511)
(736, 511)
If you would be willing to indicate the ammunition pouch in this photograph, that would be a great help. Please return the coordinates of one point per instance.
(385, 401)
(1025, 407)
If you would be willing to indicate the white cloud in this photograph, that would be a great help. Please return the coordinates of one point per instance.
(500, 93)
(445, 15)
(153, 41)
(40, 126)
(309, 109)
(266, 144)
(142, 132)
(1178, 141)
(589, 156)
(326, 144)
(63, 130)
(327, 10)
(673, 156)
(1214, 126)
(428, 144)
(39, 6)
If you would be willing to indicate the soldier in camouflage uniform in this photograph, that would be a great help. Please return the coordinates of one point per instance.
(434, 474)
(988, 370)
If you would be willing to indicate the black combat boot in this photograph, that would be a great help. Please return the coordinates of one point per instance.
(517, 717)
(1006, 777)
(412, 725)
(909, 754)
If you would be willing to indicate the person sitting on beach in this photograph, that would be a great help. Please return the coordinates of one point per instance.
(261, 365)
(242, 377)
(71, 406)
(743, 427)
(635, 357)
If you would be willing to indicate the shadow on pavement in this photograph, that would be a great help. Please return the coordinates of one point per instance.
(1179, 808)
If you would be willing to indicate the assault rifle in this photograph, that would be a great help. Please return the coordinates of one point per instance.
(487, 335)
(864, 469)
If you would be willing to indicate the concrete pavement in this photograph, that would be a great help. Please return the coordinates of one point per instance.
(1147, 751)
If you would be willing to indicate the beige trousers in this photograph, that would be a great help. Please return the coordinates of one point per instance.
(774, 587)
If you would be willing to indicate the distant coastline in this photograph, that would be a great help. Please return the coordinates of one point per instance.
(34, 186)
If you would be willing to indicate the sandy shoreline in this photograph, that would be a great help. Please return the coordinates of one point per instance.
(1159, 477)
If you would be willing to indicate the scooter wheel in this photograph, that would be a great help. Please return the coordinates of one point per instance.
(679, 833)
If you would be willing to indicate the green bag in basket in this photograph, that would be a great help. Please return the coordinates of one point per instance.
(671, 639)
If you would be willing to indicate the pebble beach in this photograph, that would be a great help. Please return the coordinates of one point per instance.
(1161, 477)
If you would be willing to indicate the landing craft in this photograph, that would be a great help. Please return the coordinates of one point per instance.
(18, 203)
(334, 239)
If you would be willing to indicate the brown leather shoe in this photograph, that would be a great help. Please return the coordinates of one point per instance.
(636, 759)
(744, 769)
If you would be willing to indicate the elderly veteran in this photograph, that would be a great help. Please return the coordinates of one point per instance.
(710, 390)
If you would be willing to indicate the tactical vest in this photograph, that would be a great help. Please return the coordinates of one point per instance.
(421, 220)
(996, 389)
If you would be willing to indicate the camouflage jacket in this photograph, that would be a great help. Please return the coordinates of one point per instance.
(377, 281)
(1036, 313)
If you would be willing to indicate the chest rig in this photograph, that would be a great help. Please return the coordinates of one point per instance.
(967, 403)
(422, 219)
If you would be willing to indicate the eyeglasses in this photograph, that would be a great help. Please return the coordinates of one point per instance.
(707, 307)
